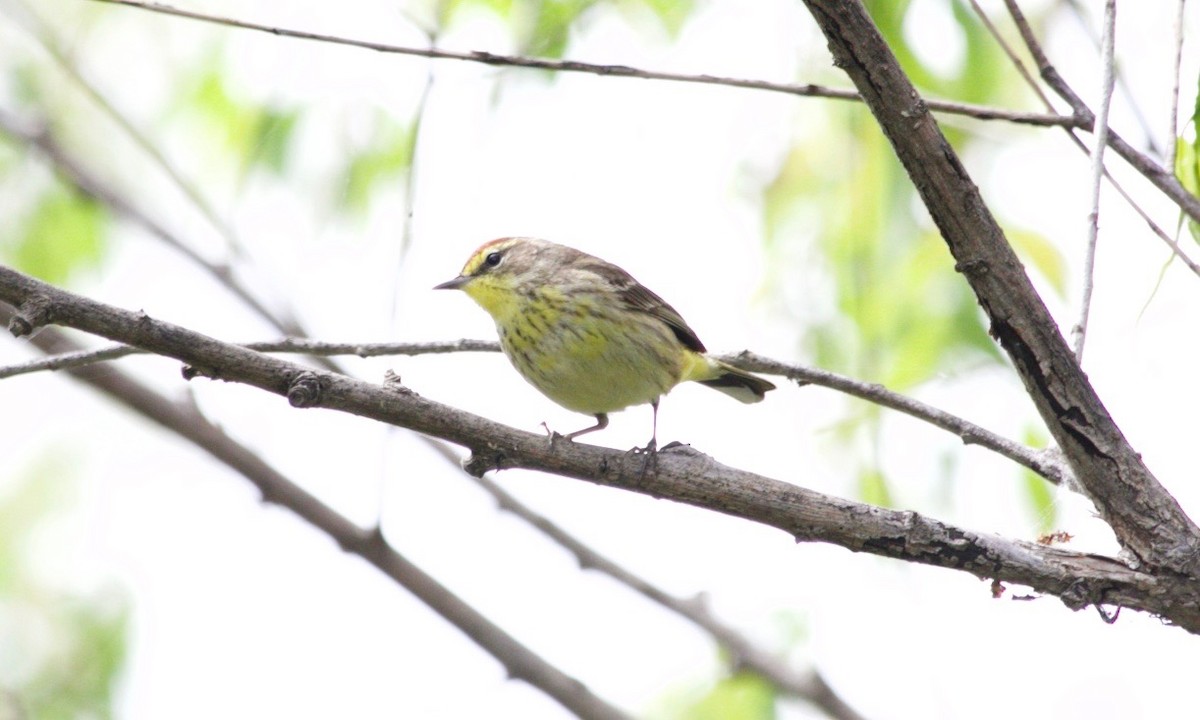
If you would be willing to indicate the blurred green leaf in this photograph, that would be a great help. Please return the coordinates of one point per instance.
(739, 697)
(671, 14)
(1038, 494)
(546, 28)
(448, 10)
(260, 135)
(67, 650)
(65, 232)
(1043, 255)
(1187, 170)
(1041, 501)
(366, 169)
(873, 489)
(272, 138)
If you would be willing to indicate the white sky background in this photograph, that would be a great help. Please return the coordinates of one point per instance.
(242, 611)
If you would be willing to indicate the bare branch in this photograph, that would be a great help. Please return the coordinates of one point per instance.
(487, 58)
(1093, 227)
(314, 348)
(1121, 83)
(680, 473)
(1167, 239)
(1176, 68)
(186, 421)
(1145, 518)
(1047, 463)
(1163, 179)
(808, 685)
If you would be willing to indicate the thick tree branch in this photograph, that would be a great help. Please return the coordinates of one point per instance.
(1146, 519)
(680, 474)
(186, 421)
(955, 108)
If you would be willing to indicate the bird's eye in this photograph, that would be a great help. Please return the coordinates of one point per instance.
(492, 260)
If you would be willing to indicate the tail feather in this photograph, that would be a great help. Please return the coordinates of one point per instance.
(736, 383)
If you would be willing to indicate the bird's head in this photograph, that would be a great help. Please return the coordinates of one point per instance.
(500, 274)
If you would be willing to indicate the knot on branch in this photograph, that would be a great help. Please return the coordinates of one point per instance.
(481, 461)
(977, 268)
(304, 391)
(31, 315)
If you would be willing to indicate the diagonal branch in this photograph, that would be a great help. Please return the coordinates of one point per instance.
(681, 474)
(809, 685)
(1162, 178)
(956, 108)
(187, 422)
(1169, 241)
(1047, 463)
(38, 135)
(1147, 521)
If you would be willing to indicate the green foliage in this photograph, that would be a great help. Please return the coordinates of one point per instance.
(900, 314)
(873, 488)
(1187, 161)
(62, 658)
(1039, 496)
(1035, 249)
(543, 27)
(389, 157)
(739, 697)
(259, 134)
(547, 26)
(672, 14)
(743, 696)
(903, 313)
(63, 232)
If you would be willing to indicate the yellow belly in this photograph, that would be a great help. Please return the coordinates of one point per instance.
(589, 363)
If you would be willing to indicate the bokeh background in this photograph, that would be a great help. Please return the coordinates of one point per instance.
(141, 579)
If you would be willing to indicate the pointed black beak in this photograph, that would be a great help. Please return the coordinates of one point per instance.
(454, 284)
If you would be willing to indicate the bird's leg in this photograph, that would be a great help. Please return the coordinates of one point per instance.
(652, 446)
(601, 423)
(650, 452)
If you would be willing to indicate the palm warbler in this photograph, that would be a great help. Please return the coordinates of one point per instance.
(588, 335)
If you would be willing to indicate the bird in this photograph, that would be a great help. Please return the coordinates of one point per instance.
(588, 335)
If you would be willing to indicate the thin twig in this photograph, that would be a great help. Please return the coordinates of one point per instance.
(1160, 177)
(1162, 235)
(1122, 83)
(1093, 228)
(976, 111)
(313, 348)
(1012, 55)
(1176, 68)
(808, 685)
(1046, 463)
